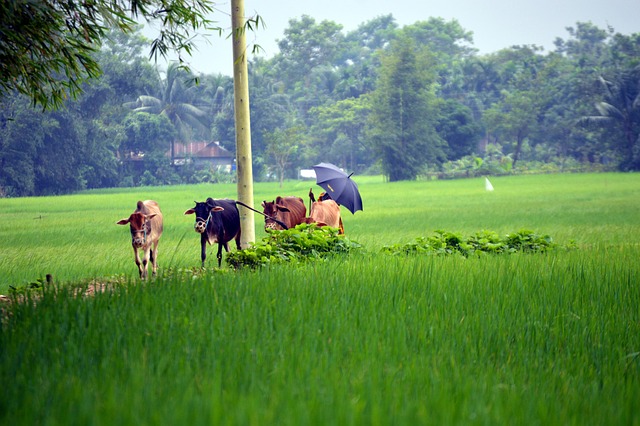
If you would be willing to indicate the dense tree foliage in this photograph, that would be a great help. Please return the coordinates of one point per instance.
(405, 101)
(402, 120)
(46, 46)
(177, 101)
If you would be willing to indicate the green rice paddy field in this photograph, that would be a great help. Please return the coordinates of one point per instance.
(368, 338)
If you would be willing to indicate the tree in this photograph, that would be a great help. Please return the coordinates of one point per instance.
(46, 46)
(271, 109)
(587, 44)
(147, 133)
(513, 118)
(86, 132)
(32, 159)
(147, 137)
(402, 121)
(338, 133)
(458, 128)
(217, 90)
(620, 112)
(446, 40)
(175, 103)
(282, 144)
(359, 60)
(308, 45)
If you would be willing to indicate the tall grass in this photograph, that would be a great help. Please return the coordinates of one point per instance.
(515, 339)
(73, 237)
(368, 339)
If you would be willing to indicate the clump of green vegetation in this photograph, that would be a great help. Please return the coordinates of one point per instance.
(309, 242)
(483, 242)
(302, 243)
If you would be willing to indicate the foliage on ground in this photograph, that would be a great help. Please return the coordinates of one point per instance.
(480, 243)
(301, 243)
(309, 242)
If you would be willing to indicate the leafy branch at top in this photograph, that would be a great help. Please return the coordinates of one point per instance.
(46, 47)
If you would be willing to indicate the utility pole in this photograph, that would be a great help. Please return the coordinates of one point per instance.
(244, 168)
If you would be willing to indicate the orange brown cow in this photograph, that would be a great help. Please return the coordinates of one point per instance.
(325, 211)
(289, 211)
(145, 224)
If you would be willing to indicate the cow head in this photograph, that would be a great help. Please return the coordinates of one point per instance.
(270, 210)
(140, 227)
(203, 212)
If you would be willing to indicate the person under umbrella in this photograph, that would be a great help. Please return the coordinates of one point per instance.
(338, 186)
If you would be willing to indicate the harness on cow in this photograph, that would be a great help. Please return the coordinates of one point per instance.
(206, 222)
(144, 230)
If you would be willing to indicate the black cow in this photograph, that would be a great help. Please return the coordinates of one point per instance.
(217, 221)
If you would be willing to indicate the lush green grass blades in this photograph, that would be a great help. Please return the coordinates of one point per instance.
(508, 339)
(545, 336)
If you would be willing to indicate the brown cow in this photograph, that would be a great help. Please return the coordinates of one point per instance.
(146, 229)
(325, 212)
(288, 210)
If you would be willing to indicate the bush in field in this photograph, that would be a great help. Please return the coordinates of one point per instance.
(304, 242)
(483, 242)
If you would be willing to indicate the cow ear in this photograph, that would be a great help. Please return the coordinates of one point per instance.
(217, 209)
(264, 204)
(190, 211)
(122, 222)
(151, 216)
(282, 208)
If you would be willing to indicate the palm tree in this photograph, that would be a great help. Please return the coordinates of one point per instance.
(621, 108)
(177, 102)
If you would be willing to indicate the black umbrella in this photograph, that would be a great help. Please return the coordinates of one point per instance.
(339, 186)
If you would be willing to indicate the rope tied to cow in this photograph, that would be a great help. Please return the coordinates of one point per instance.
(146, 224)
(206, 222)
(265, 215)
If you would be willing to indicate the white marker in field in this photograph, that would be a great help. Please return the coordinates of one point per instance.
(487, 184)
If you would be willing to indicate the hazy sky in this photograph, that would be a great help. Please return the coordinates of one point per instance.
(495, 24)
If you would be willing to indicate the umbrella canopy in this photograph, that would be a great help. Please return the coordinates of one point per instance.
(339, 186)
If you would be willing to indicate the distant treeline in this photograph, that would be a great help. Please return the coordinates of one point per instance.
(408, 102)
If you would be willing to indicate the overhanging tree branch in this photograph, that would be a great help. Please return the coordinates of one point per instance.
(46, 47)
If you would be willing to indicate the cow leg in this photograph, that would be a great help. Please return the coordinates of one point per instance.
(203, 248)
(138, 261)
(238, 246)
(154, 258)
(219, 256)
(145, 262)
